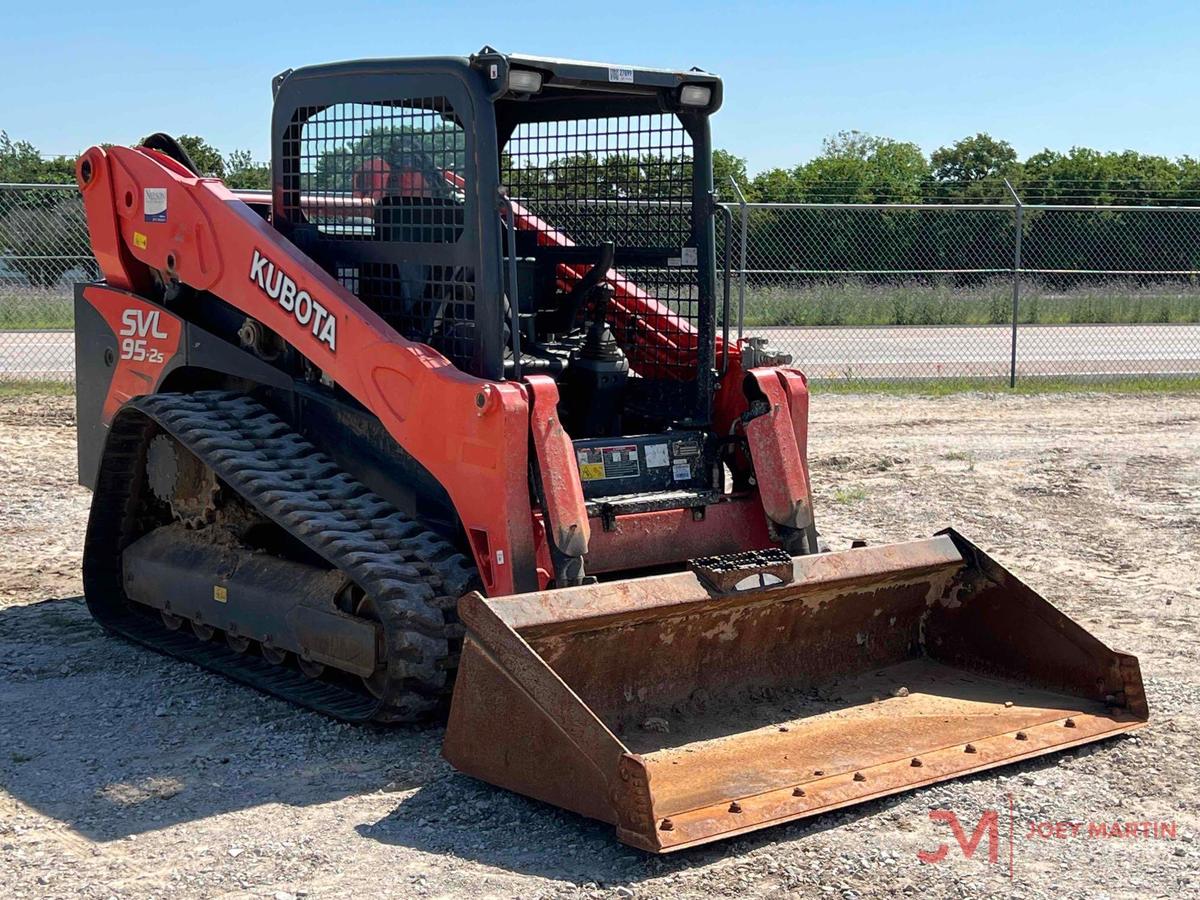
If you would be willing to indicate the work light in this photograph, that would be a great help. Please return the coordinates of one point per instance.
(695, 95)
(524, 81)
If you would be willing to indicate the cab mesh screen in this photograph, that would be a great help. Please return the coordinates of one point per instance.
(628, 180)
(379, 189)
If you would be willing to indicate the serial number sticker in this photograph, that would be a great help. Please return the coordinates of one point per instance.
(688, 256)
(681, 471)
(620, 75)
(598, 463)
(656, 456)
(220, 594)
(139, 240)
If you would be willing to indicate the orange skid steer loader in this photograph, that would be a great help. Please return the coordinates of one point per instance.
(452, 418)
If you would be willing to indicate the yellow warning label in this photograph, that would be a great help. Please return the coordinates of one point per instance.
(220, 594)
(139, 240)
(591, 471)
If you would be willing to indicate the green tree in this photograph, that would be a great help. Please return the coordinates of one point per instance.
(243, 173)
(854, 167)
(974, 168)
(726, 166)
(207, 158)
(775, 186)
(1189, 179)
(21, 163)
(974, 159)
(1083, 175)
(41, 231)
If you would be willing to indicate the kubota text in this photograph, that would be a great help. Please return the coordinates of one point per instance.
(280, 287)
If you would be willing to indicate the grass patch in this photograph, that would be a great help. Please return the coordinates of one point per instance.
(853, 494)
(929, 387)
(34, 309)
(36, 389)
(855, 301)
(940, 387)
(48, 322)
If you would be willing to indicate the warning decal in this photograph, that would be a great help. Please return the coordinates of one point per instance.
(599, 463)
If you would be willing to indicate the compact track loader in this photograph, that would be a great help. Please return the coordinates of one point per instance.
(456, 405)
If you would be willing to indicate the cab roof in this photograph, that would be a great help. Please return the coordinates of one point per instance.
(560, 77)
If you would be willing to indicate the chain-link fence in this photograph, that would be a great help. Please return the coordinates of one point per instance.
(43, 251)
(856, 292)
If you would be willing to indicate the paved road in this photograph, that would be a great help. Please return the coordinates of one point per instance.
(37, 355)
(954, 351)
(946, 351)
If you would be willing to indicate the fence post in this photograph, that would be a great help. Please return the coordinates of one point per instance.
(743, 223)
(1018, 227)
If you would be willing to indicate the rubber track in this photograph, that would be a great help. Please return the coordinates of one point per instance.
(413, 575)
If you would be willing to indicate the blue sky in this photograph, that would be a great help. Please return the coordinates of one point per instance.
(1113, 76)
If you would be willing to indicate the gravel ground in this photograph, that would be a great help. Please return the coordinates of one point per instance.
(125, 774)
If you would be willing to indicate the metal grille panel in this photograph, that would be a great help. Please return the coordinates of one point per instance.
(626, 180)
(380, 190)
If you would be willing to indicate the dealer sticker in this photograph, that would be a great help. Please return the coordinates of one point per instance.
(154, 204)
(620, 75)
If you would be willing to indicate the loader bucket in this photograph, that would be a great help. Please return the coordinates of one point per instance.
(683, 710)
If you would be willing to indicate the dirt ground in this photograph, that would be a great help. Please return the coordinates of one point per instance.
(126, 774)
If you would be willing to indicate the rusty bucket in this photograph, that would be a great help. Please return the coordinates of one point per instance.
(682, 709)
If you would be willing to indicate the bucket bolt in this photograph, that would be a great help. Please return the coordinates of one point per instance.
(1070, 723)
(1022, 736)
(798, 792)
(916, 762)
(735, 807)
(859, 776)
(667, 825)
(970, 748)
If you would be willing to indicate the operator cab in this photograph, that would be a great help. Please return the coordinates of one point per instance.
(526, 215)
